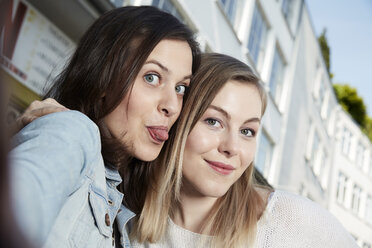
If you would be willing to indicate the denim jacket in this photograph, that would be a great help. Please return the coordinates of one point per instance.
(63, 195)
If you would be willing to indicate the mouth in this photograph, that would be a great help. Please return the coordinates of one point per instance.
(224, 169)
(158, 134)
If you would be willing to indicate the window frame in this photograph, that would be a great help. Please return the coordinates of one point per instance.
(355, 198)
(256, 49)
(346, 141)
(275, 86)
(173, 10)
(342, 181)
(268, 156)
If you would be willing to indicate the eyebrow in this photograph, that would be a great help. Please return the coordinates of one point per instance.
(222, 111)
(164, 68)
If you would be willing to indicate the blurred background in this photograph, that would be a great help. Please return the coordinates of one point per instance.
(316, 134)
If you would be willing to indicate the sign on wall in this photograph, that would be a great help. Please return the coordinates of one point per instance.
(32, 48)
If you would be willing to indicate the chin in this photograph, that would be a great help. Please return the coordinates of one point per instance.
(147, 154)
(220, 194)
(216, 193)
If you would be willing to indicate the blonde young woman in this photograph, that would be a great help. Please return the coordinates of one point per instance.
(213, 200)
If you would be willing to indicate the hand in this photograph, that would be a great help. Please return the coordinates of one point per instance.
(35, 110)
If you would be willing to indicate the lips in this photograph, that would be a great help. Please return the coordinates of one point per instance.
(224, 169)
(159, 134)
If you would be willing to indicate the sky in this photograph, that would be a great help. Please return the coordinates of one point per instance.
(349, 34)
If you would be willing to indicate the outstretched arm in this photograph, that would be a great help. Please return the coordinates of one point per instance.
(52, 155)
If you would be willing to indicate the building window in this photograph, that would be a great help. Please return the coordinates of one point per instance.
(118, 3)
(257, 36)
(346, 141)
(229, 6)
(320, 167)
(320, 163)
(264, 155)
(290, 11)
(355, 203)
(169, 7)
(325, 109)
(314, 148)
(368, 211)
(341, 188)
(321, 92)
(360, 155)
(277, 75)
(287, 9)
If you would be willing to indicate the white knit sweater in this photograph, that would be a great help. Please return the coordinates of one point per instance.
(288, 221)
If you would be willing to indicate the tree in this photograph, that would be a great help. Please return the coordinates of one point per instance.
(368, 129)
(326, 51)
(347, 96)
(351, 102)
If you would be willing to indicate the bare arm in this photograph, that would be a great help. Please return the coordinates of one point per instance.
(35, 110)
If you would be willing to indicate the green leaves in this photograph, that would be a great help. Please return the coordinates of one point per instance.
(351, 102)
(368, 129)
(323, 43)
(347, 96)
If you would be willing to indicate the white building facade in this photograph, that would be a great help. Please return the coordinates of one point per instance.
(351, 189)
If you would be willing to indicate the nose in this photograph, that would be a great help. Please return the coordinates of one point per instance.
(229, 145)
(170, 103)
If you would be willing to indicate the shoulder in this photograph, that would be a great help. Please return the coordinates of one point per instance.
(55, 142)
(71, 119)
(299, 219)
(65, 125)
(289, 201)
(290, 207)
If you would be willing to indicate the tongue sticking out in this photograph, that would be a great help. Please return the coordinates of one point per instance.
(159, 134)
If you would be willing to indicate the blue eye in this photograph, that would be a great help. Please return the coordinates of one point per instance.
(152, 79)
(248, 132)
(213, 122)
(180, 89)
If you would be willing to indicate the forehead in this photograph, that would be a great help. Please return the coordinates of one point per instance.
(239, 99)
(175, 55)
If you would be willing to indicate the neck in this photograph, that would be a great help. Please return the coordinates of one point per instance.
(193, 210)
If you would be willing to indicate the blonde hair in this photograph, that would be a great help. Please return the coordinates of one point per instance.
(229, 228)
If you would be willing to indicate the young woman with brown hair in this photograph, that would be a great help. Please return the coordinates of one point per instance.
(127, 79)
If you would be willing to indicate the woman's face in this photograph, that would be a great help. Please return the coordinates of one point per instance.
(222, 144)
(143, 118)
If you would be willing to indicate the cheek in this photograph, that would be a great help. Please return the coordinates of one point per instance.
(142, 100)
(241, 172)
(200, 141)
(175, 117)
(117, 119)
(248, 154)
(135, 105)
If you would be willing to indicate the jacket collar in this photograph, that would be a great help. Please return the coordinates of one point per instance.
(112, 175)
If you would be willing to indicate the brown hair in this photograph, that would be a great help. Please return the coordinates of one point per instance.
(106, 62)
(230, 228)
